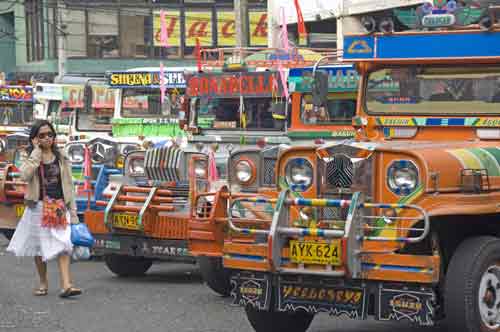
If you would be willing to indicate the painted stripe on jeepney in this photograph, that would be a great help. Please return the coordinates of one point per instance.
(245, 257)
(466, 158)
(370, 266)
(488, 161)
(321, 202)
(495, 152)
(313, 232)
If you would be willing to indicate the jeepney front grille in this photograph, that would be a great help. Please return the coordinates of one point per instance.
(339, 171)
(269, 172)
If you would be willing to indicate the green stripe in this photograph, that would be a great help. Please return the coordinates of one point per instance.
(488, 160)
(495, 152)
(321, 134)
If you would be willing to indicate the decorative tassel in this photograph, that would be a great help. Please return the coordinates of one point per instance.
(286, 47)
(212, 168)
(163, 28)
(301, 26)
(87, 174)
(162, 83)
(198, 54)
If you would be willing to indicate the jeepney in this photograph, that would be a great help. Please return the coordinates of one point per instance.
(16, 114)
(398, 224)
(78, 108)
(252, 170)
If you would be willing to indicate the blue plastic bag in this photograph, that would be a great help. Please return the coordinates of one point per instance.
(80, 236)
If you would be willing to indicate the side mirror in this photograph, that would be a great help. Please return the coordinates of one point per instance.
(320, 88)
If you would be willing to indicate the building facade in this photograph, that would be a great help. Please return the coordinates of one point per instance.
(92, 37)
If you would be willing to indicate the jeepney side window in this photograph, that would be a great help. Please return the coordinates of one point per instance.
(16, 114)
(144, 103)
(61, 115)
(443, 89)
(340, 109)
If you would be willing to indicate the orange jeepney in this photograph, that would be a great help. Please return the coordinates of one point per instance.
(399, 224)
(252, 170)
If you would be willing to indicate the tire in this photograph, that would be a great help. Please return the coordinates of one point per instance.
(215, 275)
(472, 286)
(275, 321)
(127, 266)
(8, 233)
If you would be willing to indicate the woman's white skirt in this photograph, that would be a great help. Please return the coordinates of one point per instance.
(30, 239)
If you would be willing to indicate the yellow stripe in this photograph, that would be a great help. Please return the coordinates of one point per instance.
(466, 158)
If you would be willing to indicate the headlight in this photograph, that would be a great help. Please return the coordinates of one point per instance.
(200, 169)
(136, 166)
(127, 148)
(76, 153)
(299, 174)
(244, 171)
(402, 177)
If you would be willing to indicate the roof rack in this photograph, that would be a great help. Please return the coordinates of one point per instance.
(265, 57)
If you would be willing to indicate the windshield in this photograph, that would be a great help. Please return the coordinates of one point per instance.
(94, 119)
(16, 113)
(451, 90)
(339, 110)
(145, 103)
(61, 116)
(225, 114)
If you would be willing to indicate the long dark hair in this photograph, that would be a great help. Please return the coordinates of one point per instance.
(35, 128)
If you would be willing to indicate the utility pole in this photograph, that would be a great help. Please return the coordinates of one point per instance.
(61, 39)
(273, 25)
(241, 20)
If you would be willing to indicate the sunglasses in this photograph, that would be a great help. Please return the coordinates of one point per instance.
(44, 135)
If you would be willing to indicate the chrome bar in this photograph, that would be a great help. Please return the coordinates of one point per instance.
(325, 233)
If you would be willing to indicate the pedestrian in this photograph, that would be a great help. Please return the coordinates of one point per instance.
(40, 233)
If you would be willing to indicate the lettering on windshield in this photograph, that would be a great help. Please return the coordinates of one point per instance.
(146, 79)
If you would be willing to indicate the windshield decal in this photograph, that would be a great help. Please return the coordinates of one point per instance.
(172, 79)
(16, 93)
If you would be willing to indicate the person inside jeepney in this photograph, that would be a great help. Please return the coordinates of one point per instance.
(47, 172)
(7, 115)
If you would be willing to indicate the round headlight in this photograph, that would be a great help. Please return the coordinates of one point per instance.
(76, 153)
(136, 166)
(299, 174)
(402, 177)
(200, 169)
(244, 171)
(127, 148)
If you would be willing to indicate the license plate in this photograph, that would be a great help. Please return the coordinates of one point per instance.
(127, 221)
(316, 253)
(19, 210)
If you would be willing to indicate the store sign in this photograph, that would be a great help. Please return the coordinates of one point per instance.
(173, 24)
(172, 79)
(198, 26)
(103, 97)
(258, 28)
(223, 85)
(73, 96)
(16, 93)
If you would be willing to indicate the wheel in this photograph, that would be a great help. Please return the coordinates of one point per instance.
(127, 266)
(472, 286)
(215, 275)
(8, 233)
(275, 321)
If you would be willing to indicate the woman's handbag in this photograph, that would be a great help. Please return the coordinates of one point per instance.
(81, 236)
(54, 210)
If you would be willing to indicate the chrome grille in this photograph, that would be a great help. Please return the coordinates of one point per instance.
(269, 171)
(339, 171)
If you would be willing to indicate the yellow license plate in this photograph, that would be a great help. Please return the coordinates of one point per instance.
(127, 221)
(316, 253)
(19, 210)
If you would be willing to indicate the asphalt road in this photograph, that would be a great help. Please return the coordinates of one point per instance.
(171, 297)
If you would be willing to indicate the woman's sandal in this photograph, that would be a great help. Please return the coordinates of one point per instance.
(40, 292)
(69, 292)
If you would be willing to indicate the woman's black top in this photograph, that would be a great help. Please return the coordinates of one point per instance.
(52, 177)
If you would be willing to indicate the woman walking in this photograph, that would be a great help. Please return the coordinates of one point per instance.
(44, 231)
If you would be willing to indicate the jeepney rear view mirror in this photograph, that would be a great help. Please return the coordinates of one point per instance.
(320, 88)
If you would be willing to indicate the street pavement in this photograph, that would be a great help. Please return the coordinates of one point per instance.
(171, 297)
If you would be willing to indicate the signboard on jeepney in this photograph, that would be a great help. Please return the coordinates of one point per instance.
(16, 93)
(73, 96)
(342, 78)
(172, 79)
(103, 97)
(227, 85)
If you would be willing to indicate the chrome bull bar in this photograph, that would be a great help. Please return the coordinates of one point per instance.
(356, 224)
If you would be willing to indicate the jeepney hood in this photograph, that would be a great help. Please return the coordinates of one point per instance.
(442, 165)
